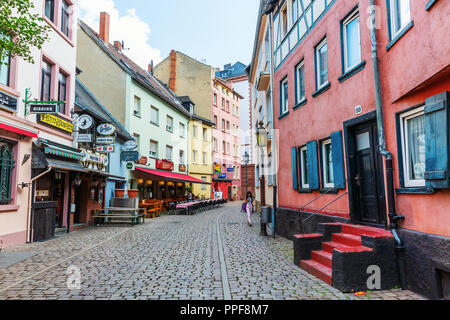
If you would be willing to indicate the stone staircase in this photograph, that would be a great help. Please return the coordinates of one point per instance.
(340, 255)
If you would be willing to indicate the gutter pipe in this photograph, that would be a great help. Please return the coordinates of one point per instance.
(394, 219)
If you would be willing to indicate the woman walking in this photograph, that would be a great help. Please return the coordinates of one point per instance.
(249, 207)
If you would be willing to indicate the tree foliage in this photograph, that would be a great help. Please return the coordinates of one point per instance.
(20, 30)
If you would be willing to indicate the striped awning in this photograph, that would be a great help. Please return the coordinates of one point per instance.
(61, 152)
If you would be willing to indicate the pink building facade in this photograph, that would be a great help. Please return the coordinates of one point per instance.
(226, 140)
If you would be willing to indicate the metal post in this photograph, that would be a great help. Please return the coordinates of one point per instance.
(263, 195)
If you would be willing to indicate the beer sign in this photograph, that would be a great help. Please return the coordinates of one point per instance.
(106, 129)
(106, 140)
(105, 149)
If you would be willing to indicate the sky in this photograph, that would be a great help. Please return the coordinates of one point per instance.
(213, 31)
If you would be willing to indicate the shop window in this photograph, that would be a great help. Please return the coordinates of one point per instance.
(6, 171)
(204, 187)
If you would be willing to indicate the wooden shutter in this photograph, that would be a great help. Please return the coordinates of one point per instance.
(338, 160)
(294, 168)
(437, 141)
(313, 168)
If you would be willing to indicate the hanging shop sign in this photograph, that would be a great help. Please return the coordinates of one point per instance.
(142, 160)
(129, 156)
(7, 101)
(182, 168)
(130, 145)
(85, 122)
(105, 149)
(92, 158)
(106, 140)
(106, 129)
(217, 168)
(56, 122)
(164, 165)
(84, 138)
(43, 108)
(130, 166)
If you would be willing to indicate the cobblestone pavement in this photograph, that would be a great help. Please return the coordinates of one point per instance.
(212, 255)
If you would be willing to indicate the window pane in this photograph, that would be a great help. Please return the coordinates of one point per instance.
(65, 18)
(301, 83)
(416, 147)
(294, 11)
(400, 12)
(62, 92)
(49, 7)
(4, 71)
(329, 177)
(46, 81)
(353, 43)
(305, 177)
(323, 64)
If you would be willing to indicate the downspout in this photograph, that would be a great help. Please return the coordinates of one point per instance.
(394, 219)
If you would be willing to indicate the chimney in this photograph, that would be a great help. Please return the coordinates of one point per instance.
(150, 67)
(118, 45)
(104, 27)
(173, 71)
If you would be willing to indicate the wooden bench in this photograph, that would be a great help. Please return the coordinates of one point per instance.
(109, 214)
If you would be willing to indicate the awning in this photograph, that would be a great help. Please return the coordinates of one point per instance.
(106, 175)
(62, 152)
(66, 165)
(19, 128)
(170, 176)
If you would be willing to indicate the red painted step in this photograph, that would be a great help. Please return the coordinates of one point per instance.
(330, 246)
(318, 270)
(366, 231)
(347, 239)
(323, 257)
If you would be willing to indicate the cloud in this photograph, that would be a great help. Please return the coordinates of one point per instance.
(128, 28)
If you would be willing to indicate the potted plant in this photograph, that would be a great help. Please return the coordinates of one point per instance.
(119, 193)
(132, 194)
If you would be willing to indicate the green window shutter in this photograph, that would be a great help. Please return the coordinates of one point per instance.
(437, 141)
(313, 168)
(294, 168)
(338, 160)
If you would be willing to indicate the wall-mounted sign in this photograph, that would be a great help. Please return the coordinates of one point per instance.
(129, 156)
(230, 169)
(106, 129)
(217, 168)
(85, 122)
(182, 168)
(142, 160)
(130, 166)
(43, 108)
(42, 193)
(8, 102)
(105, 149)
(56, 122)
(93, 158)
(130, 145)
(164, 165)
(106, 140)
(358, 110)
(222, 176)
(84, 138)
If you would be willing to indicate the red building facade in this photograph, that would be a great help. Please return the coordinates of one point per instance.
(325, 110)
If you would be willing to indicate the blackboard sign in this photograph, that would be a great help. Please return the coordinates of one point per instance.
(129, 156)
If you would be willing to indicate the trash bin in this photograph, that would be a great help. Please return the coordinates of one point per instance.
(266, 215)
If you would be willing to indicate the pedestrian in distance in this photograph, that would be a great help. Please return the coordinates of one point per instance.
(249, 207)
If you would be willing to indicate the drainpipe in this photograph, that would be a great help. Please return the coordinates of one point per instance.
(394, 219)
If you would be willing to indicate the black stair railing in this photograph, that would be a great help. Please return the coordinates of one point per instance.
(322, 208)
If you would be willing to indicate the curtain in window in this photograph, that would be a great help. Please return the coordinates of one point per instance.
(416, 147)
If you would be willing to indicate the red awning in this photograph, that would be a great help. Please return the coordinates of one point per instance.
(173, 176)
(23, 131)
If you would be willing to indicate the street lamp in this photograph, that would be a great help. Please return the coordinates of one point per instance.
(261, 138)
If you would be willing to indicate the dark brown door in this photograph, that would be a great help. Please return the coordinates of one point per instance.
(366, 176)
(230, 194)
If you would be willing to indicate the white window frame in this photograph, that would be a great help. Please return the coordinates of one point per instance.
(302, 167)
(181, 155)
(194, 156)
(284, 108)
(297, 75)
(318, 65)
(137, 108)
(325, 164)
(182, 129)
(154, 154)
(395, 29)
(169, 124)
(171, 152)
(353, 16)
(409, 183)
(156, 123)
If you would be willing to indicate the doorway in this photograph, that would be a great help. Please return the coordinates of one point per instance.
(58, 187)
(365, 171)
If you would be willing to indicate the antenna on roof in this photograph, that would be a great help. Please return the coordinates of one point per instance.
(123, 46)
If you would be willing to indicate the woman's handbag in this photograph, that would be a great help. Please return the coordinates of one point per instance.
(244, 207)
